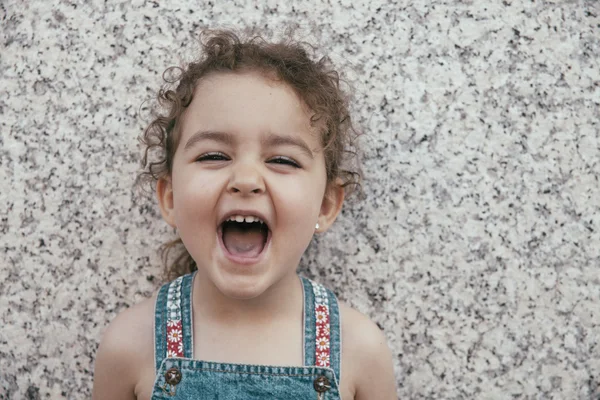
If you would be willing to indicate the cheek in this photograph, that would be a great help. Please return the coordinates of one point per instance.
(300, 202)
(194, 194)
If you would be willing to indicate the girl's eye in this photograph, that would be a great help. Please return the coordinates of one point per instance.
(284, 161)
(212, 157)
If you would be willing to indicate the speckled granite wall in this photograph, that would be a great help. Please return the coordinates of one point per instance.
(476, 249)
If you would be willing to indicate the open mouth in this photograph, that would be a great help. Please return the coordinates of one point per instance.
(244, 239)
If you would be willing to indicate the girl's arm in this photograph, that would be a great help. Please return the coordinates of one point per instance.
(367, 358)
(122, 354)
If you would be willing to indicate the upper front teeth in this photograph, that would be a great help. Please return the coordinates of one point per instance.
(241, 218)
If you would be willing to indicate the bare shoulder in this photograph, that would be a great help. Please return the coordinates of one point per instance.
(126, 348)
(360, 331)
(366, 357)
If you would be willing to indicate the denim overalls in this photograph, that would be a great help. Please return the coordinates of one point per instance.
(180, 377)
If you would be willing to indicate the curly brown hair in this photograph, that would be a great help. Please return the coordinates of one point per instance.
(315, 82)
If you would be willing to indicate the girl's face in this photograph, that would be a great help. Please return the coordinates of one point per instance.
(247, 149)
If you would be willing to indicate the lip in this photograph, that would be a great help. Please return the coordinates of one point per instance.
(241, 259)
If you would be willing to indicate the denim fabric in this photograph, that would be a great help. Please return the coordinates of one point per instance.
(309, 323)
(207, 380)
(223, 381)
(160, 321)
(336, 334)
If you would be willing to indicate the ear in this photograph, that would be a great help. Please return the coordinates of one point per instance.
(164, 195)
(331, 206)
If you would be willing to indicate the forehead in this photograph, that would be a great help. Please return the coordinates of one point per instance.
(247, 103)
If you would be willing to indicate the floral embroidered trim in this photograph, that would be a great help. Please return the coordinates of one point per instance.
(322, 347)
(174, 323)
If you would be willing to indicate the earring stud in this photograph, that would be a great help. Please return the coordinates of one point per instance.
(317, 226)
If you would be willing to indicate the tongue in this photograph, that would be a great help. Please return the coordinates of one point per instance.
(243, 242)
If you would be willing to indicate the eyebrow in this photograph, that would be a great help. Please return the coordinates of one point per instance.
(271, 140)
(216, 136)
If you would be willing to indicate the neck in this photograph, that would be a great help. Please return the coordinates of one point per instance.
(282, 299)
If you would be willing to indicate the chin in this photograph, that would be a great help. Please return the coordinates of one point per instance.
(242, 288)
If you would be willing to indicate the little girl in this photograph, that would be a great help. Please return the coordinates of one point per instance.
(250, 169)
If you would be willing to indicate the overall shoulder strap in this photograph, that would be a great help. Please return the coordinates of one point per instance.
(172, 321)
(322, 329)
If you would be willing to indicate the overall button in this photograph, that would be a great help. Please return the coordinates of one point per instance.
(173, 376)
(322, 384)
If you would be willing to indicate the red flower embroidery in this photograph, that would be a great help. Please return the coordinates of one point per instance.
(174, 339)
(322, 344)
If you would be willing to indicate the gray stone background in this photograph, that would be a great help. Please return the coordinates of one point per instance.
(477, 245)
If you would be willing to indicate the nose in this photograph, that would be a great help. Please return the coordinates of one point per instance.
(246, 180)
